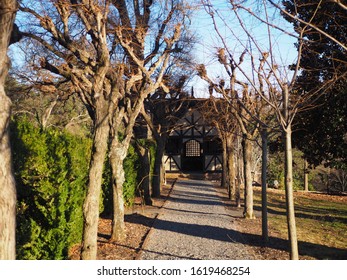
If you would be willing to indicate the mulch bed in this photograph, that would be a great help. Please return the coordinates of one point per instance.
(138, 222)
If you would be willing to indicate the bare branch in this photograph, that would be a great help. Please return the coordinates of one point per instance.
(310, 24)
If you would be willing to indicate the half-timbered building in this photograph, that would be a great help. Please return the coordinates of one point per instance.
(193, 146)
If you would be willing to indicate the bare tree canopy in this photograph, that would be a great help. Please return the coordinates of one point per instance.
(112, 54)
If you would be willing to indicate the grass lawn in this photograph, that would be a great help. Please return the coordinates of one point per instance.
(321, 225)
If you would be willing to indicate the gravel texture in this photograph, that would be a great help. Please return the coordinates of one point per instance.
(195, 223)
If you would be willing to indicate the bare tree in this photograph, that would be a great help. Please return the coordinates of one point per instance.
(46, 105)
(40, 95)
(146, 70)
(8, 9)
(251, 113)
(309, 23)
(218, 113)
(275, 87)
(144, 186)
(243, 108)
(62, 27)
(166, 108)
(100, 49)
(162, 112)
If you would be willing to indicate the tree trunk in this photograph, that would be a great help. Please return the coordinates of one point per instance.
(294, 254)
(48, 113)
(158, 162)
(224, 182)
(247, 159)
(144, 173)
(117, 155)
(238, 192)
(163, 172)
(231, 167)
(118, 152)
(8, 195)
(306, 175)
(239, 176)
(92, 200)
(264, 220)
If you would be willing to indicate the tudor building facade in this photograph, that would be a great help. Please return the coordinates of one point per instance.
(193, 146)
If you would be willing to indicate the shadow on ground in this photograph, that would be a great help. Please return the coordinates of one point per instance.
(316, 251)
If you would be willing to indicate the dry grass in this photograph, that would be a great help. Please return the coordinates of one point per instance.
(321, 226)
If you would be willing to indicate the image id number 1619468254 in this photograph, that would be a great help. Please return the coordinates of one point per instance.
(220, 271)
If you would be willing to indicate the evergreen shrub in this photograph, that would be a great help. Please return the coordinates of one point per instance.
(131, 167)
(275, 170)
(152, 152)
(51, 169)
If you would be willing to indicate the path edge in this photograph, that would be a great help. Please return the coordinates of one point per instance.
(149, 233)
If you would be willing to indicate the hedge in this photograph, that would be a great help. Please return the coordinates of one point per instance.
(51, 169)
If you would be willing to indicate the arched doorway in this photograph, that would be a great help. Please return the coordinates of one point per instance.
(192, 159)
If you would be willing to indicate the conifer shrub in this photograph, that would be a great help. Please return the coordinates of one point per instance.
(152, 152)
(51, 169)
(131, 167)
(106, 199)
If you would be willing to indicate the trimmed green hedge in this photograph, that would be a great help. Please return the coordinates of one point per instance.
(131, 167)
(51, 169)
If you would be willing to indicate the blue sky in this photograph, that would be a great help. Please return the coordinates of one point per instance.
(208, 41)
(284, 50)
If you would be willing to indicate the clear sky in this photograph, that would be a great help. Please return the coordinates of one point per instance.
(208, 40)
(230, 29)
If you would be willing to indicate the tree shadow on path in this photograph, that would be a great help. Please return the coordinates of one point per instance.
(233, 236)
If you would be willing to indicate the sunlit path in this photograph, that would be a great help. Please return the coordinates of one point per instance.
(195, 224)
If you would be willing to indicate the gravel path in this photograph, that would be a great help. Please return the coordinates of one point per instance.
(195, 223)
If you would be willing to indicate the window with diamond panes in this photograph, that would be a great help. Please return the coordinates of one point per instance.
(192, 148)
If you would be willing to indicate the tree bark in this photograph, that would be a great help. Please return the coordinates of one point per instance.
(118, 152)
(163, 172)
(144, 174)
(158, 163)
(224, 182)
(8, 194)
(238, 192)
(247, 159)
(48, 113)
(117, 156)
(92, 200)
(294, 253)
(306, 175)
(239, 163)
(264, 219)
(231, 167)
